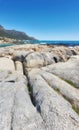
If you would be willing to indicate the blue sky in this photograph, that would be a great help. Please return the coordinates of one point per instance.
(43, 19)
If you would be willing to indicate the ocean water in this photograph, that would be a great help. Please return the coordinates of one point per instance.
(7, 44)
(43, 42)
(51, 42)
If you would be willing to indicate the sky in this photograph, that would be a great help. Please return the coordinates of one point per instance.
(42, 19)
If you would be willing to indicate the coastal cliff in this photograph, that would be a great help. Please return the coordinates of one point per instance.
(39, 87)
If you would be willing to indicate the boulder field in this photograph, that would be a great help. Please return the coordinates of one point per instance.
(39, 87)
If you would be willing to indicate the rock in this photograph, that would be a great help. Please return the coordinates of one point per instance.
(7, 92)
(16, 109)
(49, 58)
(25, 115)
(56, 112)
(6, 64)
(76, 48)
(69, 71)
(41, 58)
(34, 60)
(64, 53)
(62, 87)
(19, 67)
(19, 55)
(12, 77)
(4, 74)
(39, 87)
(37, 60)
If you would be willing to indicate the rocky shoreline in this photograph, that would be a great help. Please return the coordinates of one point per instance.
(39, 87)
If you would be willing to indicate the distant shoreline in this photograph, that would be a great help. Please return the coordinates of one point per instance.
(41, 42)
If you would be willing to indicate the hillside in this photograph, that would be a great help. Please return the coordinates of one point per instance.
(13, 34)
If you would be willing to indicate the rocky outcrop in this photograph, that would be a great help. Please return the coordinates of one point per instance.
(39, 87)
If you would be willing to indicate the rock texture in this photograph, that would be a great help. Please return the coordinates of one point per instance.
(68, 71)
(39, 87)
(6, 64)
(16, 109)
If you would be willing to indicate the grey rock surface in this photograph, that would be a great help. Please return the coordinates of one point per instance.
(16, 109)
(34, 60)
(6, 64)
(19, 67)
(62, 87)
(68, 71)
(39, 87)
(56, 112)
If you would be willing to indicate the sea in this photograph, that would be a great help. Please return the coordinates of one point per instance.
(44, 42)
(52, 42)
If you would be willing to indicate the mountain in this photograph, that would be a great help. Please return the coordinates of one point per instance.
(13, 34)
